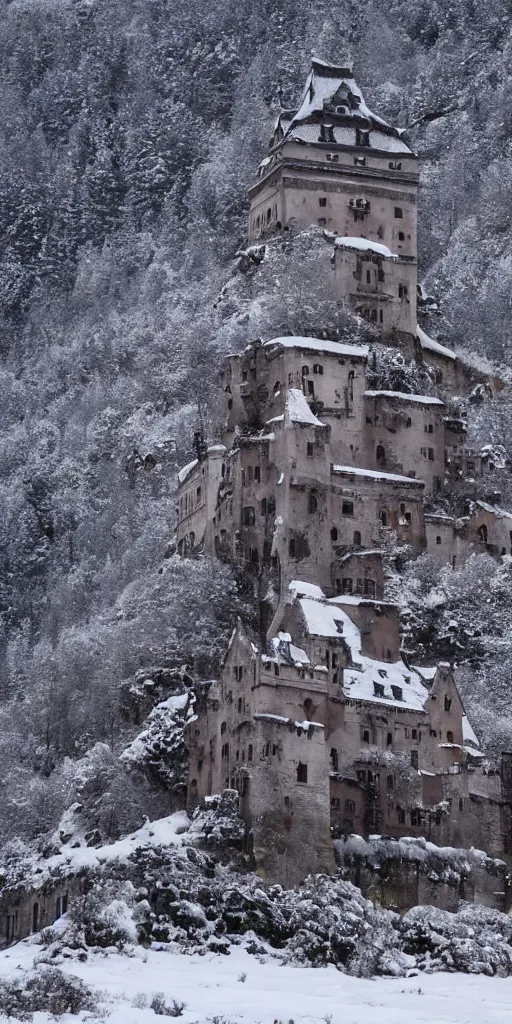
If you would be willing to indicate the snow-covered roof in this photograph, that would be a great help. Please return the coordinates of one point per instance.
(298, 409)
(468, 734)
(285, 651)
(332, 90)
(401, 396)
(320, 345)
(433, 346)
(298, 587)
(345, 136)
(325, 618)
(494, 510)
(365, 244)
(183, 473)
(374, 474)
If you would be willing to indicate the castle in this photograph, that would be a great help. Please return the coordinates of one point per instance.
(324, 728)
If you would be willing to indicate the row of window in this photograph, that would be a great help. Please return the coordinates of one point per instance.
(188, 503)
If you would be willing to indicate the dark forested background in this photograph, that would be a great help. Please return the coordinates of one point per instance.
(130, 130)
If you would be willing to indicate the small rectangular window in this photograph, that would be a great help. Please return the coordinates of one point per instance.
(322, 201)
(347, 508)
(414, 758)
(310, 449)
(431, 454)
(399, 212)
(302, 772)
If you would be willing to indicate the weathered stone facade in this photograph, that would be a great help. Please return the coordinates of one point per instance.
(322, 728)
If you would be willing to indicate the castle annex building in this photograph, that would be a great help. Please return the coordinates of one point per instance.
(323, 727)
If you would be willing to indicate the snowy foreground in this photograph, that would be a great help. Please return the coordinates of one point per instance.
(212, 988)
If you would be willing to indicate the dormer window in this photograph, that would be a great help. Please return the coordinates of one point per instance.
(378, 690)
(326, 133)
(395, 165)
(362, 137)
(397, 692)
(360, 161)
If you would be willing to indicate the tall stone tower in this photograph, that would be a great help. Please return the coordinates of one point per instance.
(334, 164)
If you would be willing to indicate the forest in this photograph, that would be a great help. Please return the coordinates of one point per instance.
(131, 130)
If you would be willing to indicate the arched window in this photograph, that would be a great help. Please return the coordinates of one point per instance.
(351, 385)
(449, 736)
(438, 540)
(357, 537)
(35, 917)
(312, 503)
(381, 454)
(305, 371)
(482, 533)
(277, 387)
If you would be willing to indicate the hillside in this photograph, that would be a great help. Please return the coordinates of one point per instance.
(130, 134)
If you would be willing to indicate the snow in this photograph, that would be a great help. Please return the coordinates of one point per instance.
(211, 988)
(162, 832)
(376, 475)
(345, 136)
(275, 419)
(297, 587)
(320, 345)
(183, 473)
(433, 346)
(326, 619)
(365, 244)
(217, 448)
(468, 734)
(287, 652)
(422, 399)
(322, 84)
(298, 409)
(494, 510)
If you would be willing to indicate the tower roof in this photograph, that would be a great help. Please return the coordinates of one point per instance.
(331, 94)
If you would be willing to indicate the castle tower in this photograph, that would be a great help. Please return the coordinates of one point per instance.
(335, 164)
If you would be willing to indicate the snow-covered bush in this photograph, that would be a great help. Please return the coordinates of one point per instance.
(45, 990)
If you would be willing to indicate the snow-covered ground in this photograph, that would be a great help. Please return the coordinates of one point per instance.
(212, 988)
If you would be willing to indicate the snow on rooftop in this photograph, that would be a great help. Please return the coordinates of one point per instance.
(365, 244)
(183, 473)
(320, 345)
(327, 83)
(468, 734)
(298, 409)
(421, 399)
(374, 474)
(367, 679)
(286, 651)
(494, 510)
(298, 587)
(433, 346)
(344, 136)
